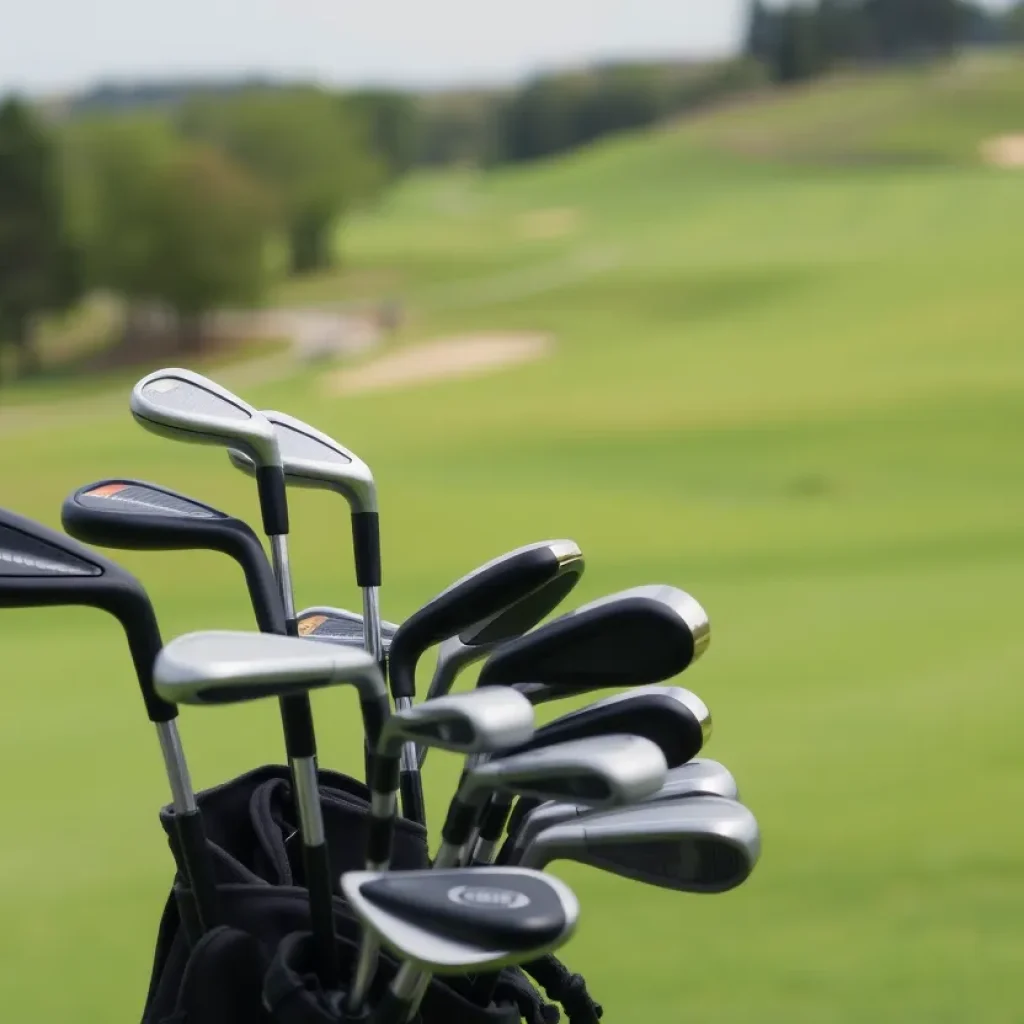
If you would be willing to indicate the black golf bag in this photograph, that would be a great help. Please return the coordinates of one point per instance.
(255, 967)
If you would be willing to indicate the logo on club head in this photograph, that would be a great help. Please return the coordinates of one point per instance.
(488, 896)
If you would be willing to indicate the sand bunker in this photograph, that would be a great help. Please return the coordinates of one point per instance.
(470, 356)
(1004, 151)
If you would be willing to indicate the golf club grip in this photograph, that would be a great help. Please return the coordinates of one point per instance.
(317, 862)
(366, 548)
(273, 500)
(199, 868)
(413, 805)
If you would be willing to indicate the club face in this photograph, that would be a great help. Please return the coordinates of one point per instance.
(694, 844)
(338, 626)
(604, 771)
(225, 667)
(450, 922)
(313, 459)
(524, 614)
(636, 637)
(186, 406)
(464, 723)
(700, 777)
(674, 718)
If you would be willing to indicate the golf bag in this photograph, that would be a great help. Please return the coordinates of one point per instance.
(255, 967)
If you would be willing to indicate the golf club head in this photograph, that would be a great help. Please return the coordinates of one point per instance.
(229, 667)
(135, 515)
(471, 600)
(451, 922)
(313, 459)
(700, 777)
(677, 720)
(338, 626)
(602, 771)
(40, 567)
(462, 723)
(457, 652)
(692, 844)
(186, 406)
(639, 636)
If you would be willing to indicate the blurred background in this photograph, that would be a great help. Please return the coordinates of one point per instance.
(730, 293)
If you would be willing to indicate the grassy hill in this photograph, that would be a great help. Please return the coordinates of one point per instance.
(787, 379)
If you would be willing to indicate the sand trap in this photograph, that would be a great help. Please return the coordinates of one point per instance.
(1004, 151)
(451, 358)
(553, 223)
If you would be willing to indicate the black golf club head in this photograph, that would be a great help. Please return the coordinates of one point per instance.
(134, 515)
(633, 638)
(483, 593)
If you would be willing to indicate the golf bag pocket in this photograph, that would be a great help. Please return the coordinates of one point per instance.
(253, 833)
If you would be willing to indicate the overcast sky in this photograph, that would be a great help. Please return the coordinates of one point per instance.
(50, 46)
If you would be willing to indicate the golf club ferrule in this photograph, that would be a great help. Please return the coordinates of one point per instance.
(366, 548)
(299, 734)
(459, 822)
(382, 777)
(495, 816)
(380, 835)
(375, 711)
(273, 499)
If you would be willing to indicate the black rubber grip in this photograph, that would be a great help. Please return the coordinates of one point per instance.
(299, 734)
(199, 864)
(379, 840)
(273, 500)
(317, 863)
(413, 805)
(366, 546)
(493, 823)
(382, 774)
(458, 825)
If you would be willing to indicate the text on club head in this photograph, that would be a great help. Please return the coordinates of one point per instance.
(488, 896)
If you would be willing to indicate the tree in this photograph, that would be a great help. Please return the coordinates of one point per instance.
(762, 32)
(302, 145)
(39, 266)
(1014, 23)
(798, 55)
(392, 125)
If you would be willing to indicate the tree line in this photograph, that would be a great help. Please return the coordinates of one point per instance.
(800, 41)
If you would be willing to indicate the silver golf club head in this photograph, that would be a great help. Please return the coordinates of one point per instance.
(522, 615)
(228, 667)
(338, 626)
(187, 406)
(699, 777)
(451, 922)
(633, 638)
(691, 844)
(603, 771)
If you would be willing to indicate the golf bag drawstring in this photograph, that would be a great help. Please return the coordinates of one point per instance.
(562, 986)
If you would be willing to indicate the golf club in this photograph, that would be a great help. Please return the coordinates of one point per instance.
(677, 720)
(40, 567)
(699, 777)
(227, 667)
(603, 771)
(465, 723)
(339, 626)
(451, 922)
(313, 459)
(472, 599)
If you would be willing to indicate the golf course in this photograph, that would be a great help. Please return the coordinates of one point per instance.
(778, 362)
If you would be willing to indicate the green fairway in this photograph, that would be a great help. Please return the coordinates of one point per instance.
(792, 387)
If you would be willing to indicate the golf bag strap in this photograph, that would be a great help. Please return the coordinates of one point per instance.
(292, 994)
(562, 986)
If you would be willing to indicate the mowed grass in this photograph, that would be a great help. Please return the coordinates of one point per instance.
(794, 392)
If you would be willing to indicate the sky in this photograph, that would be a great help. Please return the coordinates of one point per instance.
(50, 47)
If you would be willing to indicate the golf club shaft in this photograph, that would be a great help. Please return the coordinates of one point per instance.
(373, 639)
(403, 997)
(413, 805)
(188, 825)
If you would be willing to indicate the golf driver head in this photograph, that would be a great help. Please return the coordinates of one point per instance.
(462, 723)
(139, 516)
(677, 720)
(460, 920)
(702, 844)
(187, 406)
(469, 602)
(636, 637)
(315, 460)
(700, 777)
(229, 667)
(338, 626)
